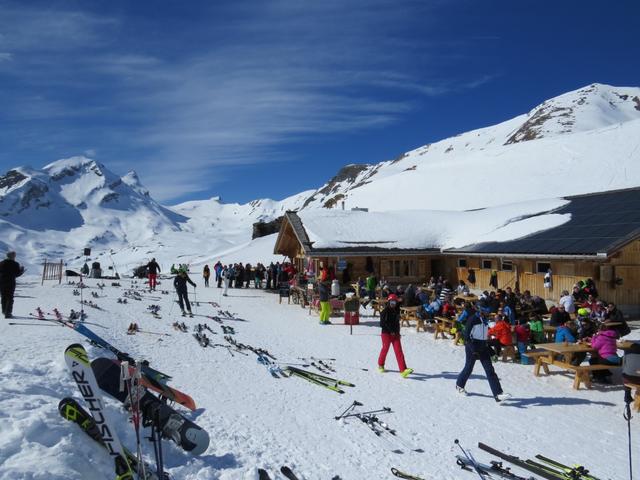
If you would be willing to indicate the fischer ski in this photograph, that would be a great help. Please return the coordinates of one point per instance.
(82, 373)
(71, 410)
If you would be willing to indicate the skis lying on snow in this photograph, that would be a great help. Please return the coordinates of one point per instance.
(552, 470)
(575, 472)
(78, 362)
(494, 469)
(71, 410)
(182, 431)
(379, 427)
(317, 379)
(404, 475)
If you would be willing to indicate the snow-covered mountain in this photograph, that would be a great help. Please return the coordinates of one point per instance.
(583, 141)
(77, 202)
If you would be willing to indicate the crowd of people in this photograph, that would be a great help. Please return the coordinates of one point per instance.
(505, 318)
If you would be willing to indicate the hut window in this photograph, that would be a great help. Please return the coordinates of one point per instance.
(405, 268)
(542, 267)
(487, 264)
(462, 262)
(507, 265)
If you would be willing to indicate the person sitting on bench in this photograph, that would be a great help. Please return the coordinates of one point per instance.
(604, 342)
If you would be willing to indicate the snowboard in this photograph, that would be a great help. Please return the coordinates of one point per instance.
(183, 432)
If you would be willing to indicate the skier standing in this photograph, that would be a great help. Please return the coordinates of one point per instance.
(153, 268)
(476, 347)
(9, 271)
(206, 273)
(324, 291)
(218, 269)
(226, 278)
(390, 324)
(180, 284)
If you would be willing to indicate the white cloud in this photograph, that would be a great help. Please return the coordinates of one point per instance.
(273, 73)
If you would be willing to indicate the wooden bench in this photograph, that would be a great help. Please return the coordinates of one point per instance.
(443, 327)
(509, 352)
(407, 314)
(636, 401)
(581, 371)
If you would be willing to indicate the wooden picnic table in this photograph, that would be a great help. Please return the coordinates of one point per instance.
(407, 314)
(567, 350)
(378, 305)
(547, 356)
(466, 298)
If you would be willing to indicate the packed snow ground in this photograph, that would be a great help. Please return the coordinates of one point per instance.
(255, 420)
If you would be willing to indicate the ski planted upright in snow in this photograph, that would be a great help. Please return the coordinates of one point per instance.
(71, 410)
(78, 363)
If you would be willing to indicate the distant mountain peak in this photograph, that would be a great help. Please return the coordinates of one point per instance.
(594, 106)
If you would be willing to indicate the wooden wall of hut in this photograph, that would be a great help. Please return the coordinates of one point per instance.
(395, 270)
(617, 278)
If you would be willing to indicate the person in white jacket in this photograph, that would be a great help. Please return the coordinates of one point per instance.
(567, 300)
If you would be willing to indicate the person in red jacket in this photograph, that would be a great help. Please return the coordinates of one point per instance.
(523, 335)
(448, 309)
(501, 333)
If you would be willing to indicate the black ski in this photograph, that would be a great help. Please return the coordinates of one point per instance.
(404, 475)
(71, 410)
(494, 469)
(520, 463)
(263, 475)
(287, 472)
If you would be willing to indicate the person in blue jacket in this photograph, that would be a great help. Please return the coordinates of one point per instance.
(477, 348)
(565, 334)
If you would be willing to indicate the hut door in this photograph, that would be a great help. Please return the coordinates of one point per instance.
(437, 267)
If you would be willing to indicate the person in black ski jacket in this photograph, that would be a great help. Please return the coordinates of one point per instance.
(152, 270)
(390, 324)
(180, 284)
(9, 271)
(476, 347)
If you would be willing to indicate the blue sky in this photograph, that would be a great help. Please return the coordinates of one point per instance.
(252, 99)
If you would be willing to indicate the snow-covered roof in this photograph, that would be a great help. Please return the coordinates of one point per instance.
(582, 225)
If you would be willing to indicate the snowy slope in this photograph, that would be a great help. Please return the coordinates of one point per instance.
(583, 141)
(255, 420)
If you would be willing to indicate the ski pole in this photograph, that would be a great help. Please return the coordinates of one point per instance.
(35, 324)
(371, 412)
(627, 416)
(173, 301)
(352, 406)
(195, 299)
(471, 459)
